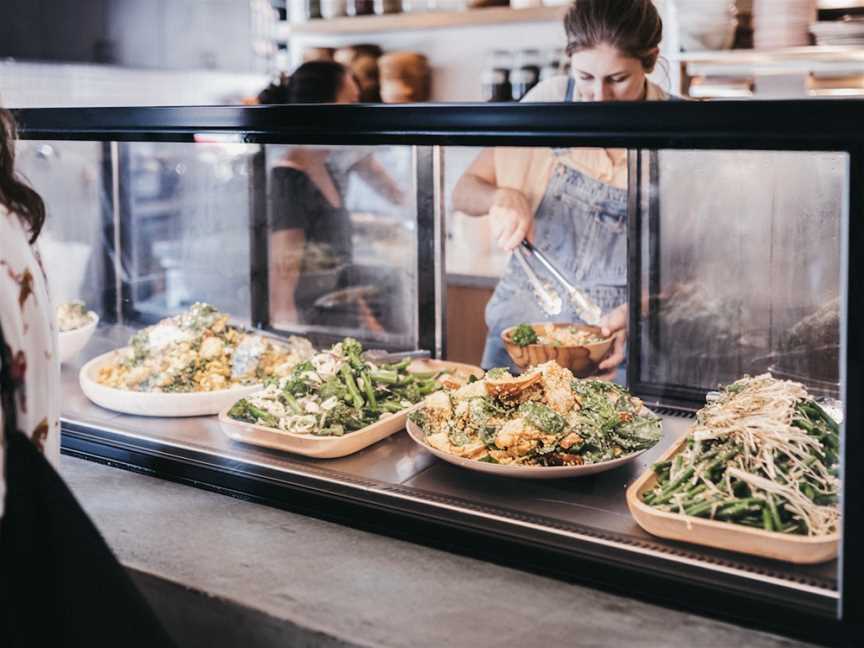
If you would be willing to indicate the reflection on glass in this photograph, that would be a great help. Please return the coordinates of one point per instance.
(185, 217)
(68, 177)
(342, 246)
(745, 275)
(341, 225)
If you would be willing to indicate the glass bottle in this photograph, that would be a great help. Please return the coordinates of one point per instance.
(333, 8)
(526, 73)
(360, 7)
(387, 7)
(415, 6)
(496, 76)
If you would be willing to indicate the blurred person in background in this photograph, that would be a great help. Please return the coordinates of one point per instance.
(311, 226)
(59, 582)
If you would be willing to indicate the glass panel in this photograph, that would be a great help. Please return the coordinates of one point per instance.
(185, 217)
(740, 271)
(339, 226)
(68, 176)
(742, 267)
(574, 200)
(342, 244)
(194, 222)
(740, 274)
(471, 248)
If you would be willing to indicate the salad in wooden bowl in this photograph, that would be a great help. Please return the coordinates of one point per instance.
(577, 347)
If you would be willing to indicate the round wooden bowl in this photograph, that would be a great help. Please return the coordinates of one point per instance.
(581, 360)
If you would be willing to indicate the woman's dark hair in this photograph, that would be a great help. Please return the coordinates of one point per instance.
(15, 195)
(275, 92)
(312, 82)
(633, 27)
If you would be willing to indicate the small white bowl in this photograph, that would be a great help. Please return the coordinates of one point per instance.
(71, 342)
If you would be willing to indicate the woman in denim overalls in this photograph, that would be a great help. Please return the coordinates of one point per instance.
(579, 218)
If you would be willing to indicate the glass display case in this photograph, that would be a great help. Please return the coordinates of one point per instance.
(738, 232)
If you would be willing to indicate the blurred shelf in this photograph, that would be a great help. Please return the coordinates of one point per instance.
(840, 4)
(823, 52)
(793, 60)
(414, 21)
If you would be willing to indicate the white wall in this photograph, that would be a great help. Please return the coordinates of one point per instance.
(44, 85)
(183, 34)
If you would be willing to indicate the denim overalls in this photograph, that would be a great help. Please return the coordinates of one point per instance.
(581, 223)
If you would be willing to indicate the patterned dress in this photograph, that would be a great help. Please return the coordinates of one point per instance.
(29, 364)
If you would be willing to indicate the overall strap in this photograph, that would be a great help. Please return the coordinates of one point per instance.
(568, 96)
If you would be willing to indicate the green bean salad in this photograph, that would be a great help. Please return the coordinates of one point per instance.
(336, 392)
(763, 454)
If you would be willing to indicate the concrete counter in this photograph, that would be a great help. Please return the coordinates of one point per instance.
(221, 572)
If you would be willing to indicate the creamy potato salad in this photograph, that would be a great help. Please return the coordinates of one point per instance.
(72, 315)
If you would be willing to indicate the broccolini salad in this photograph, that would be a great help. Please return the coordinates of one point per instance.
(336, 392)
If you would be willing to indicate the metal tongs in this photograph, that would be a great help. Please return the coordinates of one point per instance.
(550, 301)
(585, 308)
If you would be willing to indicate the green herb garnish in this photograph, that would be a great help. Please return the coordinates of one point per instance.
(524, 335)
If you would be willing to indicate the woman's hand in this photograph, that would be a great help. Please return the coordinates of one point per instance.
(614, 323)
(512, 218)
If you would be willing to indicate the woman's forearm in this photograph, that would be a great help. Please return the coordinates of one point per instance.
(376, 176)
(473, 195)
(286, 256)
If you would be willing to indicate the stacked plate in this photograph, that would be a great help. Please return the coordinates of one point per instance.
(782, 23)
(704, 24)
(839, 32)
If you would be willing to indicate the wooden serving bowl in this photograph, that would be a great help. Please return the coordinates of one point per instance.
(581, 360)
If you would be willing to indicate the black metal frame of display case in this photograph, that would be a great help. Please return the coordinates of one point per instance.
(829, 125)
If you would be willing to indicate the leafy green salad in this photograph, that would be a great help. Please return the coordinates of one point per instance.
(336, 392)
(545, 417)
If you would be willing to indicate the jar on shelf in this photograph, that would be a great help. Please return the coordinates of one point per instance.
(383, 7)
(496, 76)
(448, 5)
(525, 73)
(313, 9)
(362, 60)
(405, 77)
(483, 4)
(415, 6)
(334, 8)
(525, 4)
(360, 7)
(296, 12)
(301, 11)
(318, 54)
